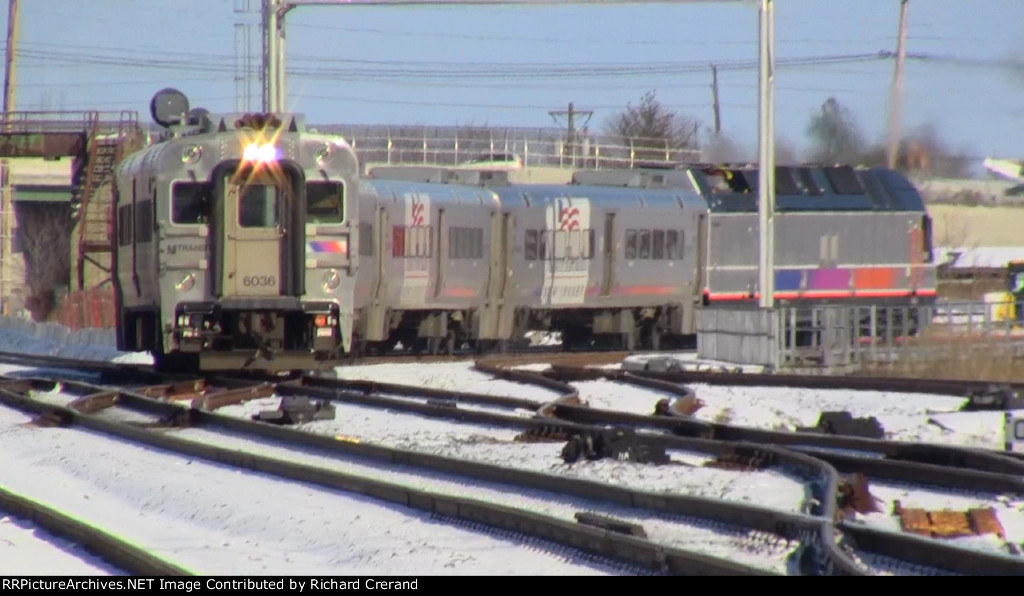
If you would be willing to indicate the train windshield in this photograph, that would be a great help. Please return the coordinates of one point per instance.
(191, 203)
(325, 202)
(257, 206)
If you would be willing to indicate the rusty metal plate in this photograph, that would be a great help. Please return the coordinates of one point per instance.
(230, 397)
(915, 521)
(985, 521)
(950, 524)
(95, 402)
(182, 390)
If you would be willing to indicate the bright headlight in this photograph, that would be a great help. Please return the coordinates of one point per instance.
(260, 153)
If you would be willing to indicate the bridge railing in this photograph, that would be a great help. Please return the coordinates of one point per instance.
(533, 147)
(54, 121)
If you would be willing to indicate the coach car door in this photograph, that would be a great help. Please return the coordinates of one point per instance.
(253, 238)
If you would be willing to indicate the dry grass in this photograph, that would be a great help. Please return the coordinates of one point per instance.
(961, 225)
(937, 354)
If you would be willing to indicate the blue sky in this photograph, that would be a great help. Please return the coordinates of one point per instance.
(510, 65)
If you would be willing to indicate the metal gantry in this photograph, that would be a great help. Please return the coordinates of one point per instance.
(274, 12)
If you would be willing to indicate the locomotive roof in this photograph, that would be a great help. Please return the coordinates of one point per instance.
(810, 188)
(457, 194)
(603, 195)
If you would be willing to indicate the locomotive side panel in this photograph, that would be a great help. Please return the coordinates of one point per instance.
(822, 256)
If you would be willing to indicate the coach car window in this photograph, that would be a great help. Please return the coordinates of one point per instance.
(420, 242)
(124, 225)
(630, 244)
(658, 245)
(190, 203)
(561, 242)
(671, 242)
(478, 243)
(143, 221)
(465, 243)
(645, 245)
(412, 241)
(257, 206)
(324, 202)
(398, 241)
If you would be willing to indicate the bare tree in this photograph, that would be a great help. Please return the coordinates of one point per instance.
(835, 135)
(44, 235)
(654, 129)
(922, 152)
(786, 153)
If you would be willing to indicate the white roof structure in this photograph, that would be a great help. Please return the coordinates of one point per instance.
(979, 257)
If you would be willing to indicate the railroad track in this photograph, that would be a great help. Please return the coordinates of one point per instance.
(591, 533)
(958, 467)
(816, 534)
(106, 546)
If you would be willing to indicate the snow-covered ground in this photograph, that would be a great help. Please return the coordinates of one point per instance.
(453, 376)
(214, 520)
(1008, 509)
(284, 528)
(905, 416)
(26, 549)
(497, 446)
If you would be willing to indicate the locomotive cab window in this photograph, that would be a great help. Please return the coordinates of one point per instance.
(325, 202)
(190, 203)
(807, 183)
(257, 206)
(844, 180)
(784, 182)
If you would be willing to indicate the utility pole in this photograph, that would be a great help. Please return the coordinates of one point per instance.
(766, 154)
(243, 56)
(274, 54)
(7, 198)
(714, 98)
(570, 115)
(896, 93)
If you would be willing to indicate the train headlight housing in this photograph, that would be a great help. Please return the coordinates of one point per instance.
(191, 155)
(324, 153)
(186, 283)
(262, 153)
(332, 279)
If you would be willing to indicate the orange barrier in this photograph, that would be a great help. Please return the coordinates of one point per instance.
(83, 309)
